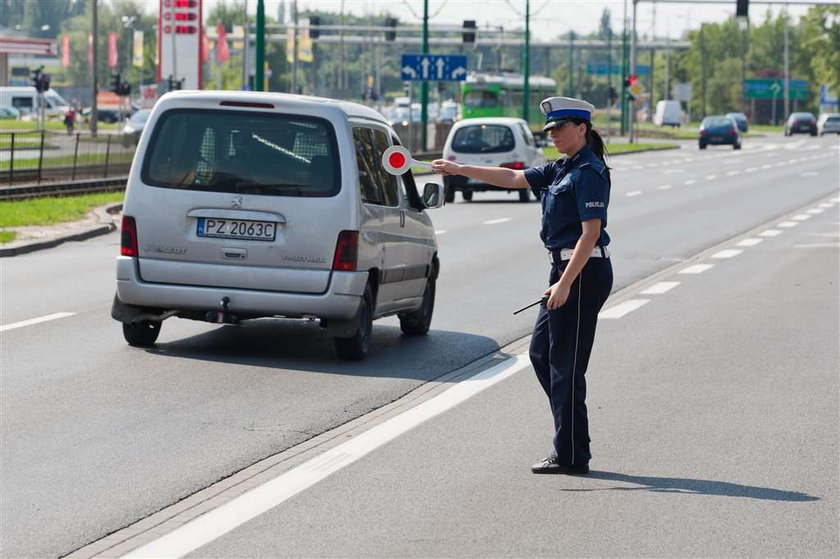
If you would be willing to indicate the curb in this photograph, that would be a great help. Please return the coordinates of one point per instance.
(104, 215)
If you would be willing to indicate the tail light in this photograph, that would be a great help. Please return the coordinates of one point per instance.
(128, 237)
(703, 132)
(346, 251)
(516, 165)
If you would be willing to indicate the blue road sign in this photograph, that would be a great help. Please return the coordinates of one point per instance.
(433, 67)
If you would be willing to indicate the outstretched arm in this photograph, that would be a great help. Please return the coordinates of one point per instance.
(497, 176)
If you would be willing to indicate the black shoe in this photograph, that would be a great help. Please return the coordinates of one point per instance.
(550, 465)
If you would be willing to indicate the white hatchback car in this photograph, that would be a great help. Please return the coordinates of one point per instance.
(828, 123)
(500, 142)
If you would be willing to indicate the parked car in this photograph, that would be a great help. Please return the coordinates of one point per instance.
(801, 123)
(242, 205)
(740, 119)
(668, 113)
(134, 127)
(719, 130)
(25, 100)
(9, 112)
(828, 123)
(498, 141)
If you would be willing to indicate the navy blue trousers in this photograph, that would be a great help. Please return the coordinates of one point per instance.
(560, 349)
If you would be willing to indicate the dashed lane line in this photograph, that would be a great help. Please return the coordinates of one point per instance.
(750, 242)
(690, 181)
(787, 224)
(816, 211)
(696, 269)
(496, 221)
(770, 233)
(728, 253)
(801, 217)
(31, 321)
(621, 309)
(663, 187)
(660, 288)
(710, 177)
(441, 232)
(634, 193)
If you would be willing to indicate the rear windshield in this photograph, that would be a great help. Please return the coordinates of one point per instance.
(243, 152)
(717, 122)
(480, 99)
(484, 138)
(833, 119)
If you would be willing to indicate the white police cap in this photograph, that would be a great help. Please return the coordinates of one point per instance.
(560, 109)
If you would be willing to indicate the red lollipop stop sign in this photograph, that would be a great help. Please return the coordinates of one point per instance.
(397, 160)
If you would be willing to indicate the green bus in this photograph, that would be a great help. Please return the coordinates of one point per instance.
(500, 94)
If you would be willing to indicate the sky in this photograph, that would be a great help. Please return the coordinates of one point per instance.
(549, 18)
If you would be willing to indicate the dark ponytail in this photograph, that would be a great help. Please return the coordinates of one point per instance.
(596, 142)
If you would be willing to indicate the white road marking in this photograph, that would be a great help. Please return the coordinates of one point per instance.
(751, 242)
(660, 288)
(634, 193)
(441, 231)
(825, 205)
(710, 177)
(748, 170)
(816, 211)
(622, 309)
(834, 200)
(787, 224)
(731, 173)
(801, 217)
(495, 221)
(31, 321)
(696, 269)
(217, 522)
(728, 253)
(770, 233)
(663, 187)
(809, 174)
(766, 166)
(690, 181)
(819, 245)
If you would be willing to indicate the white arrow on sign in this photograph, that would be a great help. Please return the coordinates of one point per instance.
(459, 71)
(410, 71)
(425, 64)
(439, 65)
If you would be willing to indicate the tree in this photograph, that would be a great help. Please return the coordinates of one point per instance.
(820, 29)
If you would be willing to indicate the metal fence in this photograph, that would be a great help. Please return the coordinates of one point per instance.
(36, 156)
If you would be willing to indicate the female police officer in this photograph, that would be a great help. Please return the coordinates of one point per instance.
(574, 192)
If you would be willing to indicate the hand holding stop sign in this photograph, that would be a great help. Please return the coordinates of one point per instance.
(397, 160)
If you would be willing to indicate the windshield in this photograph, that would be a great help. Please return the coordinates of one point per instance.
(480, 99)
(483, 138)
(243, 152)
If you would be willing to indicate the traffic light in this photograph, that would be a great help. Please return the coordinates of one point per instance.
(741, 8)
(124, 90)
(629, 80)
(40, 80)
(116, 81)
(469, 31)
(314, 22)
(172, 84)
(391, 35)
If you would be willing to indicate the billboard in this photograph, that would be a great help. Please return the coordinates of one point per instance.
(180, 35)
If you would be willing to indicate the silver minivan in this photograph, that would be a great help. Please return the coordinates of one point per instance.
(242, 205)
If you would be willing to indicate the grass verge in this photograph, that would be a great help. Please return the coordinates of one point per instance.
(52, 210)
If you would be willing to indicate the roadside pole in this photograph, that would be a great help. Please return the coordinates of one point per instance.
(424, 85)
(94, 76)
(526, 89)
(259, 47)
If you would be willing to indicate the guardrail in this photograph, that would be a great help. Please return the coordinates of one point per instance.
(38, 156)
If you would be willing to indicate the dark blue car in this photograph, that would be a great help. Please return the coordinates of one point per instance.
(719, 130)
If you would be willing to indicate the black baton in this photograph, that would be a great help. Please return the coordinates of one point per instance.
(540, 302)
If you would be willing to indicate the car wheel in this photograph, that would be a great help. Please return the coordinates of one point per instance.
(141, 334)
(356, 346)
(418, 322)
(524, 195)
(449, 194)
(702, 146)
(467, 194)
(736, 146)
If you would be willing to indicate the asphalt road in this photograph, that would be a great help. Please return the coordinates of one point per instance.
(703, 393)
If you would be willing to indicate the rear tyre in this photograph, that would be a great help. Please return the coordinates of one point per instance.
(467, 194)
(356, 346)
(418, 322)
(736, 146)
(702, 146)
(524, 195)
(141, 334)
(448, 190)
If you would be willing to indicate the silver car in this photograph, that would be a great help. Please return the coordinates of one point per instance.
(242, 205)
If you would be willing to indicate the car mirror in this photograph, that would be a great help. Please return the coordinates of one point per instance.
(433, 195)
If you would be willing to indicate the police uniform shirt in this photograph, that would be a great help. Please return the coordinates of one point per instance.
(571, 190)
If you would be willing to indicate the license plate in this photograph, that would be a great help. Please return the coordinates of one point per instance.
(236, 229)
(717, 138)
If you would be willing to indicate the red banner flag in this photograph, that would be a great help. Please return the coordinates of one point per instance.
(222, 48)
(113, 61)
(65, 51)
(90, 50)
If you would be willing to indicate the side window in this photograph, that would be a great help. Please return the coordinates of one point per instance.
(408, 186)
(22, 102)
(526, 134)
(376, 185)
